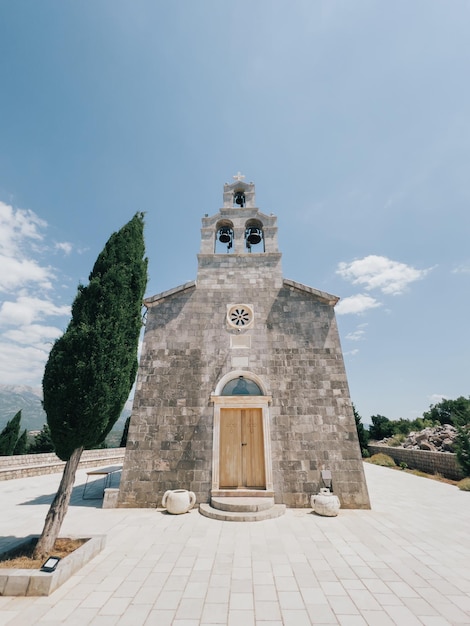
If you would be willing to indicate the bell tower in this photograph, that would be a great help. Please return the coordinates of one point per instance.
(239, 239)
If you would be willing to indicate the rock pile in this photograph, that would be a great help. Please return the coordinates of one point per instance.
(436, 439)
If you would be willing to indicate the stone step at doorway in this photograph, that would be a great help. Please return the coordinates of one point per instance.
(242, 509)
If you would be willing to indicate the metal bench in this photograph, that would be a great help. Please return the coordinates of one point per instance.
(107, 474)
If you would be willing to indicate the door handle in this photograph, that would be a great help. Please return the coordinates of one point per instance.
(244, 444)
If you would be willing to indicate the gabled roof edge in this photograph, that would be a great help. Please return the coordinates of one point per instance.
(328, 298)
(165, 294)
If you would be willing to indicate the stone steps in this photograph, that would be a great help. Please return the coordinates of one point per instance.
(242, 509)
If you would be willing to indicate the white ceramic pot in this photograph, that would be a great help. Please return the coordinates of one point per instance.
(325, 503)
(178, 501)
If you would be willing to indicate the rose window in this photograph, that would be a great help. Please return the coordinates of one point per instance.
(240, 316)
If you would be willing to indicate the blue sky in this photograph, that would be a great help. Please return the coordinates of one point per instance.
(352, 119)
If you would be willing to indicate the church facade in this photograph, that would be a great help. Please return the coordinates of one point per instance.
(242, 388)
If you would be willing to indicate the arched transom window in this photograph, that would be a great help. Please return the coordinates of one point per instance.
(241, 386)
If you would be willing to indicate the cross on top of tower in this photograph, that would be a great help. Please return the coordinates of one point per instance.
(238, 176)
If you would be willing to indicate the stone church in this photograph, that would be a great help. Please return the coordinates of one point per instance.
(242, 388)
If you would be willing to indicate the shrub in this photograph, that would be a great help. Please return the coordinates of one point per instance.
(403, 465)
(464, 484)
(462, 448)
(396, 440)
(382, 459)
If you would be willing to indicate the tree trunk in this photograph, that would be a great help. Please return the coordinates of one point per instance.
(58, 508)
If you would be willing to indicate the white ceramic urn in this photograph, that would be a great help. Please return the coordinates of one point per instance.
(178, 501)
(325, 503)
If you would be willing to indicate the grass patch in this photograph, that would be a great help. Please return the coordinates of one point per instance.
(382, 459)
(464, 484)
(21, 557)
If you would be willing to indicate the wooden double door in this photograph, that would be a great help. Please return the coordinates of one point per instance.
(241, 461)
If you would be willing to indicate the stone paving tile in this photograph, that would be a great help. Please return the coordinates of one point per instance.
(135, 615)
(377, 618)
(430, 620)
(160, 618)
(241, 618)
(290, 600)
(265, 593)
(293, 617)
(190, 608)
(115, 606)
(333, 589)
(267, 611)
(361, 567)
(215, 613)
(80, 617)
(286, 583)
(402, 615)
(263, 578)
(364, 600)
(168, 600)
(218, 595)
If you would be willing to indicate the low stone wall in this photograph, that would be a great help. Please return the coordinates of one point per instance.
(444, 463)
(21, 466)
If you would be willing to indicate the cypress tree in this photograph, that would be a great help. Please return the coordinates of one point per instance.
(125, 433)
(92, 367)
(9, 435)
(22, 443)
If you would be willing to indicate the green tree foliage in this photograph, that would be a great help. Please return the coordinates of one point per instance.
(92, 367)
(455, 412)
(362, 433)
(42, 442)
(381, 427)
(462, 448)
(9, 435)
(125, 433)
(22, 443)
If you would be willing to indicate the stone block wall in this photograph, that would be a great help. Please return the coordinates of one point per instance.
(313, 426)
(444, 463)
(24, 465)
(294, 348)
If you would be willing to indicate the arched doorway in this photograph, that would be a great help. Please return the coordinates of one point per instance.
(242, 444)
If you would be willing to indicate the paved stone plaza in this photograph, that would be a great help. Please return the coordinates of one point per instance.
(405, 562)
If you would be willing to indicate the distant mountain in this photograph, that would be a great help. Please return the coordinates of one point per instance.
(28, 399)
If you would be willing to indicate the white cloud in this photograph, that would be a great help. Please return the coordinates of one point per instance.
(65, 246)
(17, 225)
(27, 334)
(356, 304)
(34, 335)
(28, 309)
(18, 272)
(378, 272)
(357, 335)
(20, 364)
(20, 231)
(462, 269)
(351, 352)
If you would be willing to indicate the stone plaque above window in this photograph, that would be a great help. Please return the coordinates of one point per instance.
(240, 316)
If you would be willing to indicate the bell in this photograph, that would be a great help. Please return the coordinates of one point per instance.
(240, 198)
(253, 236)
(225, 235)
